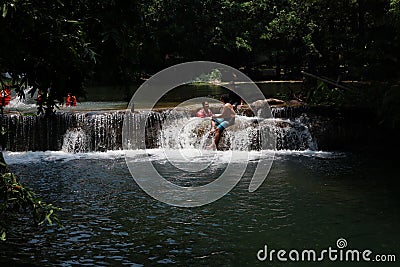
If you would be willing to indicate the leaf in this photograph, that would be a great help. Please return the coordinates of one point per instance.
(73, 21)
(5, 10)
(3, 236)
(48, 217)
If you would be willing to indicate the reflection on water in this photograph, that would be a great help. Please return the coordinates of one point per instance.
(309, 200)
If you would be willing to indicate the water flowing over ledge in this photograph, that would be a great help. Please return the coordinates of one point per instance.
(102, 131)
(296, 128)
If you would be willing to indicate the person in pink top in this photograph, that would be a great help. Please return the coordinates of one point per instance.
(205, 112)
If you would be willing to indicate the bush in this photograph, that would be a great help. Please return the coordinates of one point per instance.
(16, 199)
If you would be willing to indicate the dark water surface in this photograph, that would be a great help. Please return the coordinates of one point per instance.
(307, 202)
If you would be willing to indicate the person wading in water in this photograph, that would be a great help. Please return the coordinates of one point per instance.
(205, 112)
(223, 120)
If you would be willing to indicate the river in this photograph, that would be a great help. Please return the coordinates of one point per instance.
(309, 200)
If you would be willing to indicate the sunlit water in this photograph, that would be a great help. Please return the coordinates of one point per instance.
(309, 200)
(17, 105)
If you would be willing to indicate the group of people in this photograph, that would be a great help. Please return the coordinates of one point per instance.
(219, 122)
(70, 101)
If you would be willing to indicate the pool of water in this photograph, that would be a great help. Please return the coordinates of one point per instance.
(20, 106)
(309, 200)
(110, 98)
(102, 98)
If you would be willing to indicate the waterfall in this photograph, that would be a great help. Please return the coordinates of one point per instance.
(75, 140)
(102, 131)
(98, 131)
(184, 132)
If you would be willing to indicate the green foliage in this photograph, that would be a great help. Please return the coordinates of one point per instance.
(59, 45)
(394, 10)
(17, 199)
(44, 44)
(325, 95)
(213, 77)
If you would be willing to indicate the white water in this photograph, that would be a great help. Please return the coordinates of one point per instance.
(102, 131)
(149, 154)
(248, 133)
(75, 140)
(178, 130)
(26, 103)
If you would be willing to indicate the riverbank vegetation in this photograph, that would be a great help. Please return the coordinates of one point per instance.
(17, 203)
(60, 45)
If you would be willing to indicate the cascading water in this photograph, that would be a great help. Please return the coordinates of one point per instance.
(102, 131)
(99, 132)
(185, 132)
(25, 103)
(75, 140)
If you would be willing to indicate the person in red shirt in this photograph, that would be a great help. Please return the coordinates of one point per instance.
(70, 101)
(205, 112)
(5, 95)
(73, 100)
